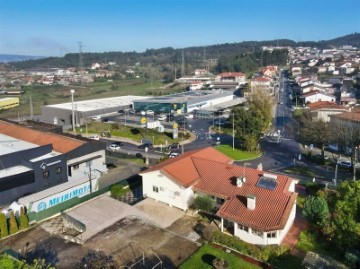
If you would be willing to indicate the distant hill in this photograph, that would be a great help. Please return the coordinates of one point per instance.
(193, 55)
(7, 58)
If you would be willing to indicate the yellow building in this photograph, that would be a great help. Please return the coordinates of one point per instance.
(10, 102)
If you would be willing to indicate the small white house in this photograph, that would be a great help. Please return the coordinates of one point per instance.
(316, 96)
(256, 206)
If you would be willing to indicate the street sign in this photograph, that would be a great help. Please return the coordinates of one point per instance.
(175, 126)
(143, 120)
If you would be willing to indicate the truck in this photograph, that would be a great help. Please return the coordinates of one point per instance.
(153, 124)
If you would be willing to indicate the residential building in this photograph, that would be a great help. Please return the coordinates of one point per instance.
(322, 110)
(256, 206)
(231, 77)
(315, 96)
(260, 83)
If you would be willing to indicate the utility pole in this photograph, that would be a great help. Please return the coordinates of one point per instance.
(182, 64)
(233, 132)
(354, 165)
(31, 110)
(80, 56)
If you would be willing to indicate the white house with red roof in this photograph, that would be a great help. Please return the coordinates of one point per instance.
(269, 71)
(256, 206)
(231, 77)
(261, 83)
(322, 110)
(196, 85)
(316, 96)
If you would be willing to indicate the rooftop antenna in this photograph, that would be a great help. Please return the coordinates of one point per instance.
(80, 55)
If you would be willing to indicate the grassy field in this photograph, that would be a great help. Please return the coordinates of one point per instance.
(54, 94)
(133, 133)
(202, 259)
(236, 154)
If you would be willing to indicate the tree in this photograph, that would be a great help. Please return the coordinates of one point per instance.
(260, 106)
(13, 226)
(316, 210)
(204, 202)
(4, 229)
(346, 216)
(96, 260)
(23, 219)
(314, 132)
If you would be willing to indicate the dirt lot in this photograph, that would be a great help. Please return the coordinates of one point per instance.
(125, 240)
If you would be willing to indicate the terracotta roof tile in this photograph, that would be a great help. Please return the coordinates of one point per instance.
(209, 171)
(325, 104)
(60, 143)
(182, 169)
(231, 74)
(349, 116)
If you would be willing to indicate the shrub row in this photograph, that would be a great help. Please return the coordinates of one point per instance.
(13, 224)
(266, 254)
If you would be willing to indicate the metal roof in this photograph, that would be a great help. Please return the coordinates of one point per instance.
(96, 104)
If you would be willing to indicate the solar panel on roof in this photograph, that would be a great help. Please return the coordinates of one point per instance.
(268, 183)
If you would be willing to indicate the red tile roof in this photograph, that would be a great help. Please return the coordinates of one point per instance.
(209, 171)
(60, 143)
(182, 169)
(231, 74)
(261, 79)
(349, 116)
(325, 104)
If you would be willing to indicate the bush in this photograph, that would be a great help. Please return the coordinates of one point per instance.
(117, 191)
(23, 219)
(236, 244)
(204, 202)
(13, 226)
(4, 230)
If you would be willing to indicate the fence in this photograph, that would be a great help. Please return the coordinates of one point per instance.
(44, 214)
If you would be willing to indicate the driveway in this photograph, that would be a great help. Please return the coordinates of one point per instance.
(158, 213)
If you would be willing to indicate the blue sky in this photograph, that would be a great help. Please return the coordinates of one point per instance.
(54, 27)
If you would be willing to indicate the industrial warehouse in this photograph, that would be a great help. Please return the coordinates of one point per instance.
(42, 169)
(185, 102)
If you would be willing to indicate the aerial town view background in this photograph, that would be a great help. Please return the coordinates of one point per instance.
(179, 134)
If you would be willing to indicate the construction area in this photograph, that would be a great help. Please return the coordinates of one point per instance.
(147, 235)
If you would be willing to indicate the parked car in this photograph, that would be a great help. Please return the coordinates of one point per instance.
(142, 113)
(105, 120)
(345, 164)
(94, 137)
(173, 155)
(119, 143)
(174, 146)
(189, 116)
(162, 117)
(114, 147)
(149, 112)
(146, 145)
(96, 117)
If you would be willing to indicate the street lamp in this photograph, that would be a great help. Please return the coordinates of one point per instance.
(233, 132)
(72, 109)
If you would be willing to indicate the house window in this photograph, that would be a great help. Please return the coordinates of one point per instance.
(220, 201)
(155, 189)
(271, 234)
(256, 232)
(244, 228)
(58, 170)
(46, 173)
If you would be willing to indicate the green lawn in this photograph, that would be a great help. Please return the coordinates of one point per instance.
(303, 171)
(202, 259)
(236, 154)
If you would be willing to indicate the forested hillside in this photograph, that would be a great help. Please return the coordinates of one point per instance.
(242, 56)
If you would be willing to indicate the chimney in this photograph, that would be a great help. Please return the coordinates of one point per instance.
(251, 202)
(240, 181)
